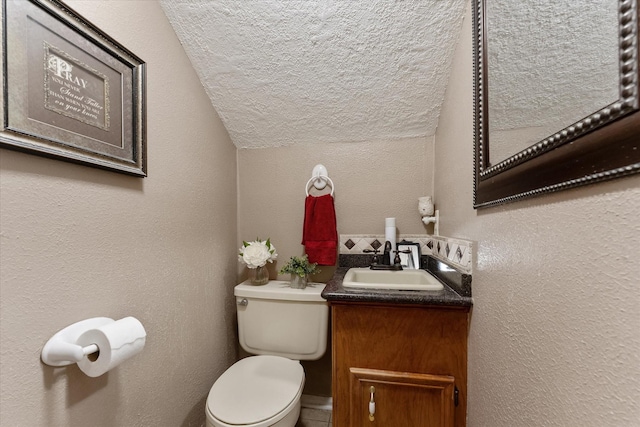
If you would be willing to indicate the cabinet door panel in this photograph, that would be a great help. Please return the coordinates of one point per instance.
(401, 399)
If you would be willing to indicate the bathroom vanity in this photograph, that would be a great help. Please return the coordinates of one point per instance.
(399, 357)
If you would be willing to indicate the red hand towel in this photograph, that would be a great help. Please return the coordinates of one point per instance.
(319, 234)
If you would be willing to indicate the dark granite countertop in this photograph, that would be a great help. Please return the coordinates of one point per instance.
(335, 292)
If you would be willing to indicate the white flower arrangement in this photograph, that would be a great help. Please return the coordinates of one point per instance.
(257, 253)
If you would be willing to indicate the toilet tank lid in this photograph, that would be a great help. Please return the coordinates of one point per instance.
(280, 290)
(255, 389)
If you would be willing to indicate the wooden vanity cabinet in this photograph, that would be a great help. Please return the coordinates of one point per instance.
(414, 357)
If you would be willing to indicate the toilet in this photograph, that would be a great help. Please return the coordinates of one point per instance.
(279, 326)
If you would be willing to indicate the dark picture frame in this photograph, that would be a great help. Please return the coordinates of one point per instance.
(70, 91)
(415, 253)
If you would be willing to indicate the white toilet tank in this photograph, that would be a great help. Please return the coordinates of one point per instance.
(278, 320)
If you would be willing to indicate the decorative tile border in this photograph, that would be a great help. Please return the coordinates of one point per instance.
(457, 252)
(354, 244)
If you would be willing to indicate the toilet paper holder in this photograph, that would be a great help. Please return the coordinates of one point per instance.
(62, 350)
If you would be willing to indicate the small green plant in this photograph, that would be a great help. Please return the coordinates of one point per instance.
(300, 266)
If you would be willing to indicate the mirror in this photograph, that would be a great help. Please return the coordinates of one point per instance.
(547, 72)
(556, 96)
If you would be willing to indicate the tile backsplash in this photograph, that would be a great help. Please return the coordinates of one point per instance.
(457, 252)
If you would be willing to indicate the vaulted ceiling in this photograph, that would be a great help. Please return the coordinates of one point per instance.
(283, 72)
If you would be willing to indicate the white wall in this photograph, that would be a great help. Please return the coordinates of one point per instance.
(78, 242)
(554, 333)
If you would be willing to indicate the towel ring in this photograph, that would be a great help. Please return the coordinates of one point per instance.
(319, 178)
(319, 182)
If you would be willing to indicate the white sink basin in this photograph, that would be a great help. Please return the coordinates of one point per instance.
(409, 280)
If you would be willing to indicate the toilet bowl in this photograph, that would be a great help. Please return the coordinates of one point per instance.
(281, 326)
(258, 391)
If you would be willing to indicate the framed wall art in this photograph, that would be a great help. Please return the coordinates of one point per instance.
(69, 90)
(409, 260)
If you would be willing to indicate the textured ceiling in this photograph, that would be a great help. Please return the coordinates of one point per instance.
(282, 72)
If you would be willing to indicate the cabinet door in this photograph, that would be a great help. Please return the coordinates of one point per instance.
(400, 399)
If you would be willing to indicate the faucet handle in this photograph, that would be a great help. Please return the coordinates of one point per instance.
(397, 261)
(376, 260)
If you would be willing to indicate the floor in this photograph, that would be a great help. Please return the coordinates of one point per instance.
(314, 418)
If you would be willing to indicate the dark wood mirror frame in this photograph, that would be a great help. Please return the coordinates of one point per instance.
(603, 146)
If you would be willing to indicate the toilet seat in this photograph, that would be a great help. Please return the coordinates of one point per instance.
(255, 390)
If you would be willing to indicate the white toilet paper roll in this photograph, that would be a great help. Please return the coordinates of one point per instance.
(116, 341)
